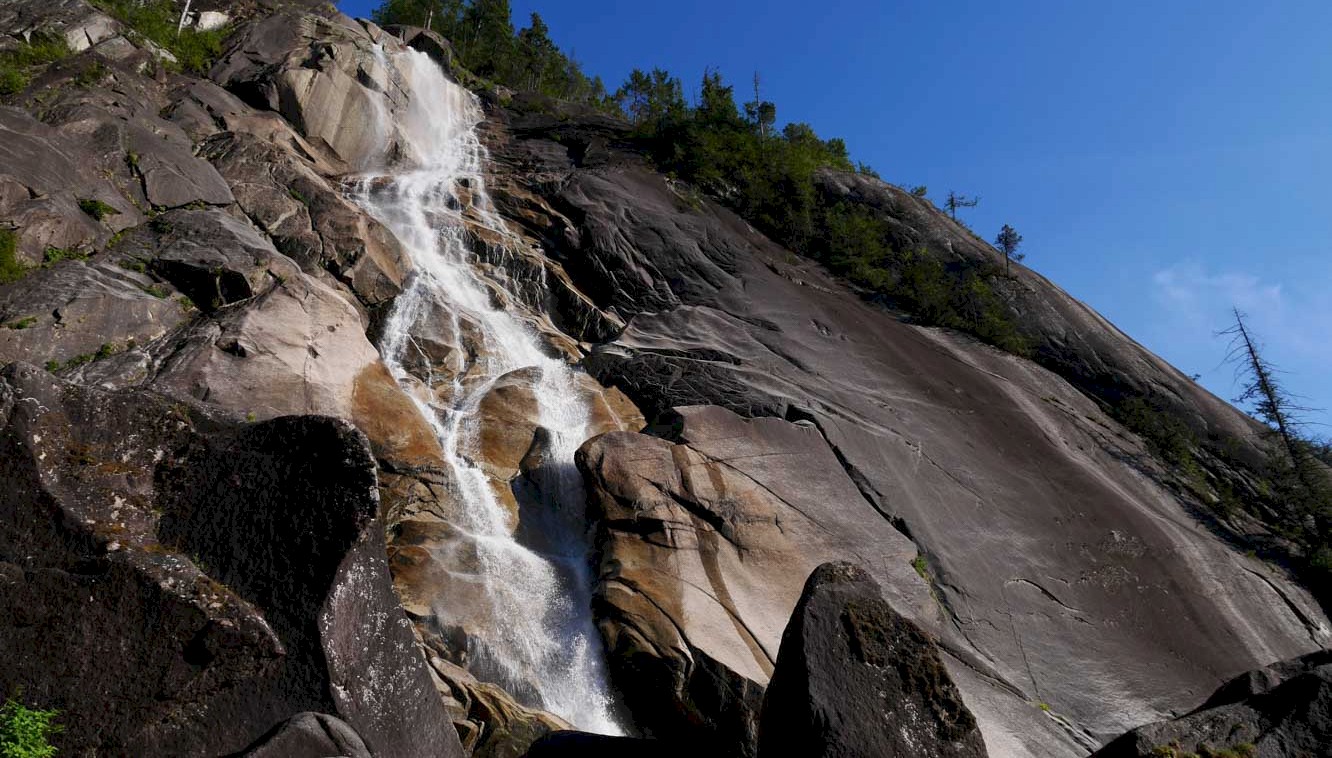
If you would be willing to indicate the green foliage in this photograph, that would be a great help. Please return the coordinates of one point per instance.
(768, 177)
(96, 208)
(132, 264)
(26, 732)
(156, 290)
(1167, 436)
(922, 568)
(651, 99)
(487, 45)
(1007, 243)
(11, 268)
(22, 323)
(16, 65)
(859, 245)
(54, 255)
(91, 74)
(157, 21)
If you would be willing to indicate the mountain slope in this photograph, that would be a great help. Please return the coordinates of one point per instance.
(1062, 572)
(193, 245)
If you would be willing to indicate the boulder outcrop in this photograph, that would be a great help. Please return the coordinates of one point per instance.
(177, 581)
(856, 679)
(1279, 711)
(309, 735)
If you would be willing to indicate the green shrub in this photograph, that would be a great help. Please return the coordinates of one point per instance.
(22, 323)
(91, 74)
(96, 208)
(16, 64)
(918, 563)
(157, 21)
(12, 78)
(1166, 435)
(156, 290)
(26, 732)
(54, 255)
(11, 268)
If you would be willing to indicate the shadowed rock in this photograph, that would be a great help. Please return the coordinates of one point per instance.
(1281, 711)
(584, 745)
(854, 679)
(309, 735)
(176, 582)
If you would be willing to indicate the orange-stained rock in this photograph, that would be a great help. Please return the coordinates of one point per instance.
(391, 421)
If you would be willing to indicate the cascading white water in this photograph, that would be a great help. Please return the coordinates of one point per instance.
(539, 638)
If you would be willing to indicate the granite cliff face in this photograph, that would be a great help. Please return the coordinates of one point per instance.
(229, 459)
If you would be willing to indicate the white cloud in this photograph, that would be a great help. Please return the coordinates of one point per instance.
(1292, 320)
(1189, 291)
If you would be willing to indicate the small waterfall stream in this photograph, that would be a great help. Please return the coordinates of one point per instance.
(537, 636)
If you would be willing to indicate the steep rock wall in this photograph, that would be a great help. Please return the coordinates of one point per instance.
(1077, 596)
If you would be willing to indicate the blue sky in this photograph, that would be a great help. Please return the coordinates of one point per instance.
(1163, 160)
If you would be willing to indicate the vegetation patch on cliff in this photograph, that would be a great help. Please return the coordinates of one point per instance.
(487, 45)
(16, 65)
(25, 732)
(158, 21)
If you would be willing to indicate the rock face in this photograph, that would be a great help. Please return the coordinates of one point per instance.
(149, 539)
(706, 544)
(1281, 711)
(855, 678)
(582, 745)
(178, 589)
(309, 735)
(1059, 556)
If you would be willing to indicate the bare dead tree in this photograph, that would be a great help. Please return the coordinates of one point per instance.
(1307, 490)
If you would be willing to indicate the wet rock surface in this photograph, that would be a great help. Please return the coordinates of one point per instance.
(855, 678)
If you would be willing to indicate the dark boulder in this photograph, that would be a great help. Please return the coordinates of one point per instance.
(567, 744)
(1280, 711)
(176, 582)
(855, 678)
(309, 735)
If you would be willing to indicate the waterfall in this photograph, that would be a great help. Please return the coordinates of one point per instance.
(536, 634)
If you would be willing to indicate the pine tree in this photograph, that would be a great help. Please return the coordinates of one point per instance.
(956, 201)
(761, 113)
(537, 54)
(1007, 242)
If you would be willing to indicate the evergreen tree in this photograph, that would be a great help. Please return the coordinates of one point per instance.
(651, 99)
(537, 54)
(956, 201)
(1007, 242)
(487, 39)
(761, 113)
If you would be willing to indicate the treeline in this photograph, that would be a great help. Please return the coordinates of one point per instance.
(735, 153)
(484, 38)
